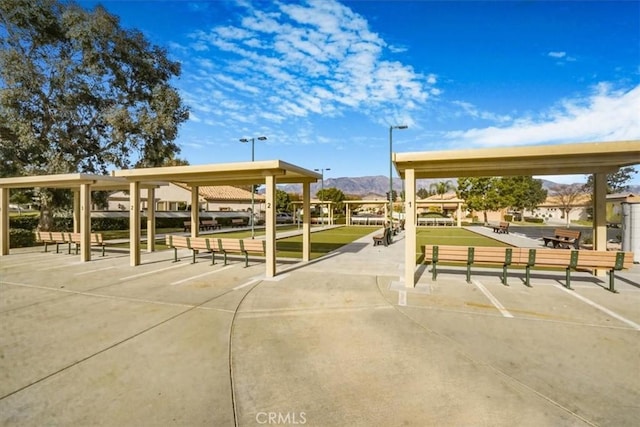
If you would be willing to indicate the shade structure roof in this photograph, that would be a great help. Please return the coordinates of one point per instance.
(242, 173)
(70, 180)
(579, 158)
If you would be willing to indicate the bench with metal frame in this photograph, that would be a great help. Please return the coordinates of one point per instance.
(503, 227)
(563, 238)
(528, 258)
(243, 247)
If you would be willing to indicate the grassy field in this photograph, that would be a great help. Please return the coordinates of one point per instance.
(453, 236)
(322, 242)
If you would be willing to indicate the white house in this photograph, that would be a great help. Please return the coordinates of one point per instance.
(177, 197)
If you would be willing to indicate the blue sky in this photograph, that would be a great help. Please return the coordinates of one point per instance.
(323, 80)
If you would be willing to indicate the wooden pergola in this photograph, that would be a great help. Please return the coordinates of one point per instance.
(245, 173)
(268, 172)
(82, 185)
(597, 158)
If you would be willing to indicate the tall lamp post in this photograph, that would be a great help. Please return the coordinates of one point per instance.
(253, 140)
(391, 128)
(321, 170)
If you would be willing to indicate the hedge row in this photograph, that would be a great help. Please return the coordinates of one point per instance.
(20, 238)
(106, 224)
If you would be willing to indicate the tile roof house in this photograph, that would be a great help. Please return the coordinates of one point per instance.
(177, 197)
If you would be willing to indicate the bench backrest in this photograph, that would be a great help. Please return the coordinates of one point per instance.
(564, 233)
(177, 241)
(254, 245)
(237, 221)
(605, 259)
(58, 236)
(445, 252)
(230, 245)
(43, 236)
(546, 257)
(202, 243)
(504, 224)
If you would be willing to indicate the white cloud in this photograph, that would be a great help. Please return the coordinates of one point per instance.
(557, 54)
(316, 57)
(604, 115)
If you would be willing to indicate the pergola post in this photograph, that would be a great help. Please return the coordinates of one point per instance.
(134, 223)
(599, 215)
(347, 208)
(76, 211)
(84, 212)
(459, 215)
(151, 219)
(306, 221)
(4, 221)
(270, 225)
(195, 211)
(410, 228)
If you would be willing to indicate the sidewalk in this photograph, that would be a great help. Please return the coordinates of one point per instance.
(325, 343)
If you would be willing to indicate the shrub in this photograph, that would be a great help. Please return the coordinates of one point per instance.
(21, 238)
(533, 220)
(508, 218)
(24, 222)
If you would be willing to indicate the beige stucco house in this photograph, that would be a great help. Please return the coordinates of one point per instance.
(177, 197)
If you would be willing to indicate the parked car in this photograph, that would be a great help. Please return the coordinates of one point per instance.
(284, 218)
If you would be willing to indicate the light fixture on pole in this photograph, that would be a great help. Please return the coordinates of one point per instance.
(391, 128)
(253, 140)
(321, 170)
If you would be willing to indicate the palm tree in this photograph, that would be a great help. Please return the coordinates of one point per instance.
(441, 188)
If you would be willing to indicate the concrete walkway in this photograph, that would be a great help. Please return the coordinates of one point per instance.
(330, 343)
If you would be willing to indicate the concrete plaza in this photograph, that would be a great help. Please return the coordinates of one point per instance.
(338, 341)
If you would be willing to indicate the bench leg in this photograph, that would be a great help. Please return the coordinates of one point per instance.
(193, 256)
(213, 258)
(504, 275)
(57, 247)
(612, 280)
(568, 279)
(45, 246)
(468, 273)
(434, 271)
(103, 247)
(175, 255)
(246, 259)
(527, 276)
(225, 258)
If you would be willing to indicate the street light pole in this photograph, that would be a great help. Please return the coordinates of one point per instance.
(391, 128)
(321, 170)
(253, 140)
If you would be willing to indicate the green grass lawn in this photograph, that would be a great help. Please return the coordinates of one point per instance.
(451, 236)
(322, 242)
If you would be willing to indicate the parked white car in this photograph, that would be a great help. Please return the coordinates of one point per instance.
(284, 218)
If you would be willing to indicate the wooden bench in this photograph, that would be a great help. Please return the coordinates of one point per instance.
(95, 239)
(238, 222)
(209, 224)
(494, 256)
(46, 237)
(243, 247)
(564, 238)
(195, 244)
(384, 238)
(503, 227)
(529, 259)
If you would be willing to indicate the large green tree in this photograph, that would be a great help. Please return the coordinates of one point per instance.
(334, 195)
(480, 194)
(521, 192)
(78, 93)
(616, 182)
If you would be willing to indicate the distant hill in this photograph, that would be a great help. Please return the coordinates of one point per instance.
(379, 184)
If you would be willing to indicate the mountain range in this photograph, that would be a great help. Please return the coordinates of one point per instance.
(379, 184)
